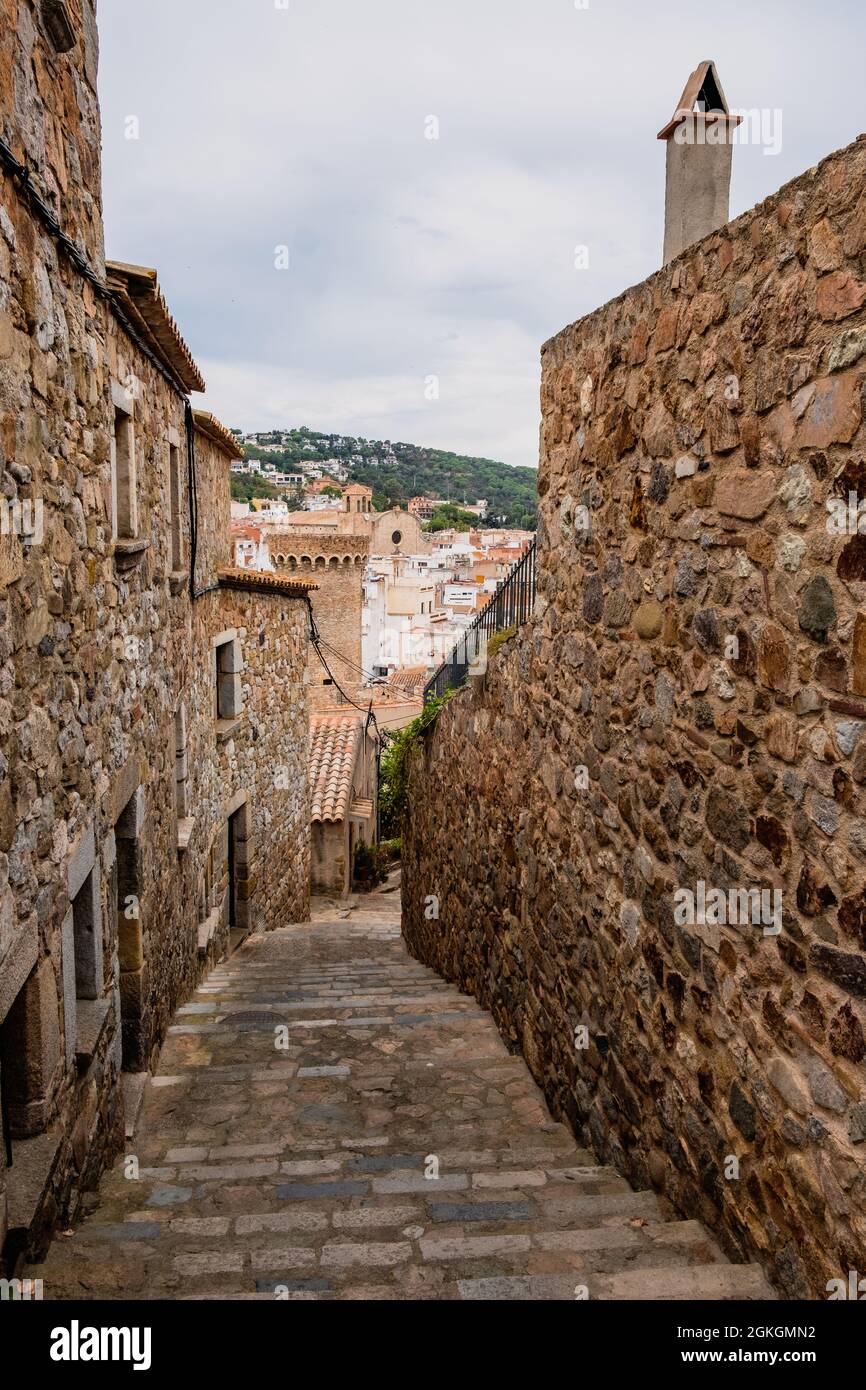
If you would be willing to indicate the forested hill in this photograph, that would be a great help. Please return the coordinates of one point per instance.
(397, 471)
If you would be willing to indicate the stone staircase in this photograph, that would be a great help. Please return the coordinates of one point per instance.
(299, 1163)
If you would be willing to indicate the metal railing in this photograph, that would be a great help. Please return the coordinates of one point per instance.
(511, 605)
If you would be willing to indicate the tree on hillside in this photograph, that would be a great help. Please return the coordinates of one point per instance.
(450, 517)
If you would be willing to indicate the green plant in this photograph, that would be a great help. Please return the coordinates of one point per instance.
(364, 863)
(448, 517)
(245, 486)
(371, 863)
(498, 638)
(394, 767)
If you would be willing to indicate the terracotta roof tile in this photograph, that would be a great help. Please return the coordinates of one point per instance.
(214, 430)
(265, 582)
(410, 678)
(334, 742)
(703, 78)
(137, 289)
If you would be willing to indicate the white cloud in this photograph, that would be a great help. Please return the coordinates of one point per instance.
(410, 256)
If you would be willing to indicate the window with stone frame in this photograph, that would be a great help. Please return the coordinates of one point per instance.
(58, 25)
(181, 763)
(86, 912)
(6, 1055)
(130, 929)
(31, 1061)
(228, 667)
(175, 497)
(204, 892)
(209, 893)
(123, 478)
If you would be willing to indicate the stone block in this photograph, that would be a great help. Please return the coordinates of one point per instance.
(130, 943)
(16, 965)
(34, 1051)
(87, 925)
(67, 965)
(81, 860)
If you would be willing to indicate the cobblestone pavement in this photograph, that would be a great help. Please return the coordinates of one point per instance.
(303, 1173)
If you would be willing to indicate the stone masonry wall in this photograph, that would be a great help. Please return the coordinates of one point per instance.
(267, 757)
(336, 565)
(99, 650)
(54, 413)
(688, 705)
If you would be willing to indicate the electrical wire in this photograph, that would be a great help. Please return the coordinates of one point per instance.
(21, 177)
(381, 682)
(316, 642)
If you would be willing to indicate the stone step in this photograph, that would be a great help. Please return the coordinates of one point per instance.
(282, 998)
(266, 977)
(485, 1168)
(301, 1173)
(716, 1282)
(660, 1261)
(584, 1223)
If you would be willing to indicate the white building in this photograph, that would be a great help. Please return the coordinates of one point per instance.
(403, 625)
(275, 510)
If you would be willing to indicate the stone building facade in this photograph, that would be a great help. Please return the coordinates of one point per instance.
(336, 565)
(685, 716)
(153, 724)
(395, 529)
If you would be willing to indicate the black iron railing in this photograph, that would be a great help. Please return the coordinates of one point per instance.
(511, 605)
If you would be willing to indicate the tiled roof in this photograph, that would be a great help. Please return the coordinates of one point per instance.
(333, 748)
(214, 430)
(410, 678)
(704, 80)
(137, 289)
(264, 581)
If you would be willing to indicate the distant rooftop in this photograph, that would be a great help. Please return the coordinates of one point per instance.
(334, 740)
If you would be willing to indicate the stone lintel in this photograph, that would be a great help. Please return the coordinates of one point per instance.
(17, 964)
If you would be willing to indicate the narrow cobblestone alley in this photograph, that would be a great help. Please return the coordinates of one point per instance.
(302, 1172)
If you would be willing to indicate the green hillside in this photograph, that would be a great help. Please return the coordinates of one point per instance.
(397, 471)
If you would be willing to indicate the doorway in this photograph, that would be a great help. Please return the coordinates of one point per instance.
(238, 885)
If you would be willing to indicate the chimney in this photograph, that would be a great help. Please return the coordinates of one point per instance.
(698, 170)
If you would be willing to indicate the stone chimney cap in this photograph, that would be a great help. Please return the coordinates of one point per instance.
(703, 86)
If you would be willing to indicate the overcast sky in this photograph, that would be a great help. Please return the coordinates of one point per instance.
(261, 126)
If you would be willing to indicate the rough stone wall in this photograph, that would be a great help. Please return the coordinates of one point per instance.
(214, 546)
(623, 748)
(49, 114)
(336, 564)
(97, 652)
(266, 757)
(53, 448)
